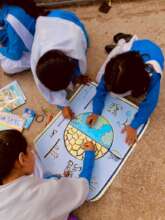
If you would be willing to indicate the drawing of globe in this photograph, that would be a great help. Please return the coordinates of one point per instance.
(78, 132)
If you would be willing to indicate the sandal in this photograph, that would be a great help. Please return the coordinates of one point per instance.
(119, 36)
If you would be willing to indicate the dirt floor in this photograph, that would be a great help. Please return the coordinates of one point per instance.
(138, 192)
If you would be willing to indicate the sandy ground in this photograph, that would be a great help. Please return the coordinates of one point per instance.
(138, 192)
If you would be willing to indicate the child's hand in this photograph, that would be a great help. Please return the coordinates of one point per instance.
(82, 80)
(92, 119)
(67, 113)
(89, 146)
(66, 173)
(131, 134)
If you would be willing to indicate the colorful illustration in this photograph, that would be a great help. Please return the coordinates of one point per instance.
(11, 97)
(122, 124)
(78, 132)
(114, 108)
(71, 168)
(60, 146)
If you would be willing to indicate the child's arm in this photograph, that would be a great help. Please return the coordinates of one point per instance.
(62, 196)
(63, 104)
(99, 99)
(79, 78)
(3, 34)
(15, 49)
(98, 103)
(88, 161)
(147, 107)
(67, 112)
(77, 71)
(67, 194)
(88, 165)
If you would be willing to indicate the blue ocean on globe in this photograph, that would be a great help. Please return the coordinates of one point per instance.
(101, 133)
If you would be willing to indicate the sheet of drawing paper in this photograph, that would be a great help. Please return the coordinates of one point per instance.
(60, 146)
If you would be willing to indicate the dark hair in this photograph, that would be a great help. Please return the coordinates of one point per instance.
(55, 70)
(28, 5)
(127, 71)
(12, 143)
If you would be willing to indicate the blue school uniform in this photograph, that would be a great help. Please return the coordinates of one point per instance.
(70, 16)
(63, 31)
(12, 45)
(149, 52)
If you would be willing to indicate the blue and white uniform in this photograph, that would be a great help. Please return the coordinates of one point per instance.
(60, 30)
(45, 199)
(151, 54)
(16, 37)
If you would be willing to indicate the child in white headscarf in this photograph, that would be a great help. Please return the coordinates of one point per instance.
(17, 27)
(59, 59)
(25, 196)
(133, 67)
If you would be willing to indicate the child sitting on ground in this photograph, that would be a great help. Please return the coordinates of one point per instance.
(58, 59)
(25, 196)
(134, 67)
(17, 27)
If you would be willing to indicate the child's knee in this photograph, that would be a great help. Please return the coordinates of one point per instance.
(7, 68)
(12, 67)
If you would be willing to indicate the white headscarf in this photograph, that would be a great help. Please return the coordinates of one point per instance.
(57, 33)
(123, 47)
(120, 48)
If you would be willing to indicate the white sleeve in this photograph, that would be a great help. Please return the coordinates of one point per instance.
(59, 98)
(64, 195)
(74, 190)
(54, 98)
